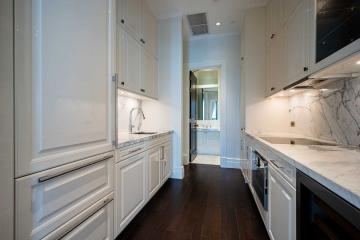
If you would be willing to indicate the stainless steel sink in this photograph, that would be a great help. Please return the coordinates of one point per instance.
(296, 141)
(144, 133)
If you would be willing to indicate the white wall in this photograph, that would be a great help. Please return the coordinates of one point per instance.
(223, 51)
(166, 113)
(6, 120)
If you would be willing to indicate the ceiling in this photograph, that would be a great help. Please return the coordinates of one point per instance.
(228, 12)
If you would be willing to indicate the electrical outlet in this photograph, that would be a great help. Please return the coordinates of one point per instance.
(292, 124)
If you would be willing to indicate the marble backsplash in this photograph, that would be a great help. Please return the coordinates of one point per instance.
(332, 113)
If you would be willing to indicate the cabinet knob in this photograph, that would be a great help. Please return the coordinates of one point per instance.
(142, 40)
(306, 69)
(123, 83)
(142, 90)
(272, 88)
(122, 21)
(272, 36)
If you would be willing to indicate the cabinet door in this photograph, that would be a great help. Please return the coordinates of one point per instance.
(130, 193)
(154, 171)
(275, 80)
(282, 208)
(62, 82)
(148, 74)
(297, 44)
(166, 161)
(149, 30)
(274, 17)
(130, 16)
(129, 61)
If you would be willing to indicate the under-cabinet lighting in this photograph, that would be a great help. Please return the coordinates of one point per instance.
(358, 62)
(218, 23)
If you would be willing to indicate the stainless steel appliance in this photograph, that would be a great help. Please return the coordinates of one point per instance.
(259, 178)
(337, 25)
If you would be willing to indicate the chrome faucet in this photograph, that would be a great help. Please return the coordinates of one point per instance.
(130, 118)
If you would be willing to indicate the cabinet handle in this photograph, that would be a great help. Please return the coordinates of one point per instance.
(103, 204)
(60, 173)
(142, 90)
(306, 69)
(142, 40)
(134, 150)
(122, 21)
(275, 164)
(272, 36)
(272, 88)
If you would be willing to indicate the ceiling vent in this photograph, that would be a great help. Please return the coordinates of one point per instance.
(198, 23)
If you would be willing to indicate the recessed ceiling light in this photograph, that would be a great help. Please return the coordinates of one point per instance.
(292, 90)
(218, 23)
(358, 62)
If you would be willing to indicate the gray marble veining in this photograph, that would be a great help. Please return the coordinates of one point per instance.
(330, 114)
(127, 139)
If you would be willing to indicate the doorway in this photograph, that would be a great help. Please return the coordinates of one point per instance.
(204, 124)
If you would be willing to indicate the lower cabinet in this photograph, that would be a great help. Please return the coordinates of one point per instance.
(139, 177)
(130, 189)
(282, 207)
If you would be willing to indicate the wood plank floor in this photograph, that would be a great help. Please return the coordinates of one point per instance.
(209, 203)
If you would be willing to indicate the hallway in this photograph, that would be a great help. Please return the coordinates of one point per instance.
(210, 203)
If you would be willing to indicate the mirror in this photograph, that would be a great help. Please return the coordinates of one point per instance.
(207, 103)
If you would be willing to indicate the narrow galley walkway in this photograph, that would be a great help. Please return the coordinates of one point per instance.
(210, 203)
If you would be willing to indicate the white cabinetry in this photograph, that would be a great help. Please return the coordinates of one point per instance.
(129, 15)
(137, 48)
(297, 46)
(130, 187)
(282, 207)
(62, 82)
(47, 200)
(154, 171)
(128, 60)
(166, 163)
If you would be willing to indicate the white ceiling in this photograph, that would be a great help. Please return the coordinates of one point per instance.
(229, 12)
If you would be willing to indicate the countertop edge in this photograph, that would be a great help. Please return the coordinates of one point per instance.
(343, 192)
(140, 139)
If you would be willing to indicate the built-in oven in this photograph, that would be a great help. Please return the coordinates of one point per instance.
(337, 25)
(322, 214)
(259, 178)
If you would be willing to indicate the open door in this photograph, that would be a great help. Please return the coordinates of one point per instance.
(193, 112)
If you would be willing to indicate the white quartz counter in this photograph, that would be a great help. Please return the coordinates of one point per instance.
(127, 139)
(335, 167)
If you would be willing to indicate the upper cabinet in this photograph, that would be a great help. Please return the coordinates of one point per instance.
(129, 15)
(149, 30)
(289, 43)
(137, 48)
(63, 61)
(297, 44)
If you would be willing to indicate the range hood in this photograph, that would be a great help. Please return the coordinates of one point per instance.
(345, 69)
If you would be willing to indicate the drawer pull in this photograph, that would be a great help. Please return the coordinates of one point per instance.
(67, 231)
(275, 164)
(58, 174)
(134, 150)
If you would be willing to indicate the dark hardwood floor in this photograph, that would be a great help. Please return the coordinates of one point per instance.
(209, 203)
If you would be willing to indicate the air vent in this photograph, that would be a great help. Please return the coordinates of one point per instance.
(198, 23)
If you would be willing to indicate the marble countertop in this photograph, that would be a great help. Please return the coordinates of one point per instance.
(335, 167)
(207, 129)
(127, 139)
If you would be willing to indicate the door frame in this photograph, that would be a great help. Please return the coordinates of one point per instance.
(192, 66)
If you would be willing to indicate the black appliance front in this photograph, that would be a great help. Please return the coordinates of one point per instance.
(337, 25)
(322, 214)
(260, 179)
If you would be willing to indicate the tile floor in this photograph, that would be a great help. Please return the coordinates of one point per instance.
(207, 159)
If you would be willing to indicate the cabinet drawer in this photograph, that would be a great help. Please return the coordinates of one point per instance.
(94, 223)
(132, 150)
(47, 200)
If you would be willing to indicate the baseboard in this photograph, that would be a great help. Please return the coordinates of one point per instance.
(230, 162)
(177, 173)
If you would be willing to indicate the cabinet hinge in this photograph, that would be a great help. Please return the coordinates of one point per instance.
(115, 77)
